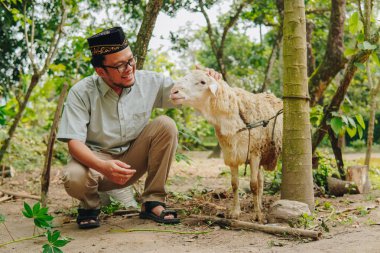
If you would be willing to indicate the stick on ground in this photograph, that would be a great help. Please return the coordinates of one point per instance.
(277, 230)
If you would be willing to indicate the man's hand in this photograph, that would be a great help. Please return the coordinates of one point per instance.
(117, 171)
(211, 72)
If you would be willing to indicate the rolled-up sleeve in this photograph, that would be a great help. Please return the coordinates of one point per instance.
(75, 118)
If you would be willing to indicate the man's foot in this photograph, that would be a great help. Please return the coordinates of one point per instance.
(88, 218)
(156, 211)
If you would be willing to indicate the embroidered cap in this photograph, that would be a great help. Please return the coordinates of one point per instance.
(108, 41)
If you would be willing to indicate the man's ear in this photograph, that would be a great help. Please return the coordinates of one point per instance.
(100, 71)
(213, 87)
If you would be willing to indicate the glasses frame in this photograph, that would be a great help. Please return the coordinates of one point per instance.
(122, 67)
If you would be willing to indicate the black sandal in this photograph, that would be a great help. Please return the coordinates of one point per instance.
(91, 216)
(148, 214)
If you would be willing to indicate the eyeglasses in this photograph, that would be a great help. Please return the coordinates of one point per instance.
(123, 66)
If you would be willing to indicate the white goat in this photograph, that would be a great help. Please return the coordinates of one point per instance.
(229, 110)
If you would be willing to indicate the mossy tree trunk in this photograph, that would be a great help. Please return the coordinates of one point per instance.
(297, 180)
(145, 32)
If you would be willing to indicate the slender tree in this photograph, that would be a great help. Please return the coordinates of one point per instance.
(297, 180)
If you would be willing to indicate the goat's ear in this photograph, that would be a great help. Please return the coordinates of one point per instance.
(213, 87)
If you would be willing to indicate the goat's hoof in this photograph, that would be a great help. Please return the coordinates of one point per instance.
(258, 217)
(234, 215)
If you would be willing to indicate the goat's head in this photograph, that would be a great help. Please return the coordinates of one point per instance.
(193, 89)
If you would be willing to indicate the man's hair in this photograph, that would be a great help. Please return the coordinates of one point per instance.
(97, 61)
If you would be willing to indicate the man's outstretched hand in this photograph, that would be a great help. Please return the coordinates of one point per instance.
(117, 171)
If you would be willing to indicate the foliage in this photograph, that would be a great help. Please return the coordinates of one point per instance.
(113, 206)
(324, 170)
(43, 220)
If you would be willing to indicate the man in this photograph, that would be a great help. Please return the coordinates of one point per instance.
(110, 139)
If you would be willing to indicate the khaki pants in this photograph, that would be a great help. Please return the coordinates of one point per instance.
(151, 152)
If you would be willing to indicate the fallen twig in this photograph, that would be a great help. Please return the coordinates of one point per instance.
(236, 224)
(5, 198)
(21, 195)
(161, 231)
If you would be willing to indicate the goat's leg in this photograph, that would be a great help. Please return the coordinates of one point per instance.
(261, 187)
(235, 211)
(255, 188)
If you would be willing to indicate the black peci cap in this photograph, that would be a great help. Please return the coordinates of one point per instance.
(108, 41)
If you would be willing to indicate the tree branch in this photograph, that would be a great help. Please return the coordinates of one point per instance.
(29, 49)
(55, 41)
(209, 28)
(333, 60)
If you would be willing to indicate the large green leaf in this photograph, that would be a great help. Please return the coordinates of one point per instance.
(360, 131)
(360, 120)
(336, 124)
(351, 131)
(28, 213)
(354, 23)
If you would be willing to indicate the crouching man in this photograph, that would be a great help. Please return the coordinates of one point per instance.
(110, 139)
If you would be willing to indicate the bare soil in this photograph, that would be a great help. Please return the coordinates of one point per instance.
(201, 188)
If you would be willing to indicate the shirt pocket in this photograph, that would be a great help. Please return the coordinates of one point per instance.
(140, 120)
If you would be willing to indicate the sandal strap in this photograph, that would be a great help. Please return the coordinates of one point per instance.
(167, 212)
(149, 205)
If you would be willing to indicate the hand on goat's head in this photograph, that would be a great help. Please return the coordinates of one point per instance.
(194, 88)
(211, 72)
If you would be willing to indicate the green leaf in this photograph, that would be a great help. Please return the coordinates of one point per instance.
(360, 37)
(360, 65)
(345, 120)
(61, 243)
(47, 248)
(36, 208)
(28, 213)
(354, 23)
(48, 234)
(56, 235)
(351, 131)
(360, 120)
(349, 52)
(360, 131)
(2, 218)
(43, 211)
(375, 58)
(57, 250)
(352, 122)
(336, 125)
(366, 46)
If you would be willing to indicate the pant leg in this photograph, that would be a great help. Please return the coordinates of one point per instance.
(153, 152)
(82, 182)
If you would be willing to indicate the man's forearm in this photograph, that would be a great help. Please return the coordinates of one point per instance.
(84, 155)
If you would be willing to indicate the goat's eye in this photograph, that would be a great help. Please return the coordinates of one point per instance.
(203, 82)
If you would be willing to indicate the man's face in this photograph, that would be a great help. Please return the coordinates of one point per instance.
(116, 72)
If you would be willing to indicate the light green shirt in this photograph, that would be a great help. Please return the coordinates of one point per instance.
(104, 121)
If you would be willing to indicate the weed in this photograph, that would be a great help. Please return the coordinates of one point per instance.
(111, 207)
(43, 220)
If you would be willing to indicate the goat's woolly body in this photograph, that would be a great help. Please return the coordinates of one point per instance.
(228, 109)
(224, 112)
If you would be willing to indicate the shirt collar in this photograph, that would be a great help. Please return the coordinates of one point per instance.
(104, 88)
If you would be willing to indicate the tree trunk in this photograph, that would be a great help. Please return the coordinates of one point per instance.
(333, 60)
(371, 124)
(360, 57)
(310, 56)
(45, 175)
(297, 179)
(337, 153)
(145, 32)
(12, 129)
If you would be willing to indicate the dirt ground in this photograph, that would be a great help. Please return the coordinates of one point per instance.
(192, 189)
